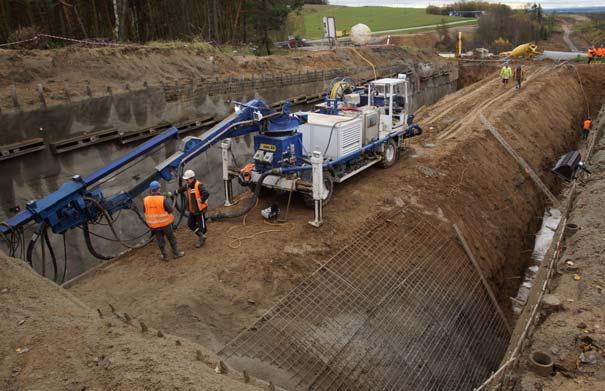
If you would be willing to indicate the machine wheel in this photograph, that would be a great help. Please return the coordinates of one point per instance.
(390, 155)
(329, 184)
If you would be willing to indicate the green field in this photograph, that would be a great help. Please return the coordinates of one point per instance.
(308, 23)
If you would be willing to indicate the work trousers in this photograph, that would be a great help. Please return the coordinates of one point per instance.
(197, 223)
(518, 82)
(584, 134)
(161, 234)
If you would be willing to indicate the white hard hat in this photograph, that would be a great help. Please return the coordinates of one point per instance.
(189, 174)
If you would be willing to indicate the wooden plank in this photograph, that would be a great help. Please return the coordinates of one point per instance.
(530, 171)
(488, 288)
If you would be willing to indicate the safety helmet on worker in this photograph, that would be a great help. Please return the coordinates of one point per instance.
(189, 174)
(154, 185)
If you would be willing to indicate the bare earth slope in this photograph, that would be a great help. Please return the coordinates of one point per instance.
(71, 348)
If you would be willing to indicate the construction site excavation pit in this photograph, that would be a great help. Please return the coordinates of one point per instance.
(407, 285)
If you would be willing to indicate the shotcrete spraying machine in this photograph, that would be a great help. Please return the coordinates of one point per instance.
(305, 152)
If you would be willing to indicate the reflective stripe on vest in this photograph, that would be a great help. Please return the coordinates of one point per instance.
(201, 205)
(587, 124)
(155, 214)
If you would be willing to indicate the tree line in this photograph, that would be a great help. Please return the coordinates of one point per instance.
(216, 21)
(501, 28)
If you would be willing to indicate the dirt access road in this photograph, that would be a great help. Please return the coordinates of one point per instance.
(209, 295)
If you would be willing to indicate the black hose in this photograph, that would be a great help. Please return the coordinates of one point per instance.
(91, 249)
(51, 252)
(251, 201)
(31, 245)
(182, 210)
(64, 260)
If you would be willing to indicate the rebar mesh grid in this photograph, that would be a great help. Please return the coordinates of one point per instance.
(400, 307)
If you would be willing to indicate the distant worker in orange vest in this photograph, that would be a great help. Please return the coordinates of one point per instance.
(592, 52)
(586, 128)
(159, 218)
(601, 52)
(197, 202)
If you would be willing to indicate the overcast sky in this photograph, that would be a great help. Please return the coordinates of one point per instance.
(512, 3)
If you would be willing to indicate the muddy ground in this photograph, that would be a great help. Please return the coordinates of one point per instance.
(455, 171)
(574, 334)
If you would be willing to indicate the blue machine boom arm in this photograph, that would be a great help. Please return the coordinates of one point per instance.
(68, 207)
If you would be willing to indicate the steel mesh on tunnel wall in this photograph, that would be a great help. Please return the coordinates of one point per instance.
(400, 307)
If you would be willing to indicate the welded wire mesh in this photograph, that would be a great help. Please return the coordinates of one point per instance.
(400, 307)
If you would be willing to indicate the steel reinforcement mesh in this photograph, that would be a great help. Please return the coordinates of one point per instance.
(399, 308)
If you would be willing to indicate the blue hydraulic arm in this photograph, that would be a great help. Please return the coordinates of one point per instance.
(72, 204)
(65, 208)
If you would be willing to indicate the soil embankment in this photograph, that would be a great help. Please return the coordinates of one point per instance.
(116, 70)
(50, 340)
(571, 330)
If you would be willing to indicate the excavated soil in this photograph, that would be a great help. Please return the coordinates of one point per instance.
(456, 172)
(100, 68)
(50, 340)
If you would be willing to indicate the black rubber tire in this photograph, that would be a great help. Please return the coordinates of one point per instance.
(390, 155)
(329, 183)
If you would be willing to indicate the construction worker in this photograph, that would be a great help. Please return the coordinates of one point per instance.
(518, 76)
(197, 202)
(506, 73)
(159, 218)
(586, 128)
(592, 52)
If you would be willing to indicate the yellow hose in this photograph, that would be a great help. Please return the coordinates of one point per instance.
(366, 60)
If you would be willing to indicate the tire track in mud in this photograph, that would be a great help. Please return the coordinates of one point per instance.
(472, 115)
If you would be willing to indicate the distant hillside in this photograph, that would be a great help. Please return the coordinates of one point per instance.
(308, 23)
(576, 10)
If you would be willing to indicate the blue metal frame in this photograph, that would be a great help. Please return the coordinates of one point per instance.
(67, 208)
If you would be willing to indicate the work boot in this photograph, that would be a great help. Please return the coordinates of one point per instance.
(200, 241)
(178, 254)
(164, 257)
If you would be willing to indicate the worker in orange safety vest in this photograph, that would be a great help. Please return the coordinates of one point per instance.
(586, 128)
(592, 52)
(159, 218)
(197, 204)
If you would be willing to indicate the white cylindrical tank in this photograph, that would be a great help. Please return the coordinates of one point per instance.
(360, 34)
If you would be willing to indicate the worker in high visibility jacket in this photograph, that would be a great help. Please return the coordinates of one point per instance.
(592, 52)
(197, 204)
(506, 73)
(586, 127)
(159, 218)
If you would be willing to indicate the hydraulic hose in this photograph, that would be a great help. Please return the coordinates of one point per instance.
(251, 202)
(32, 244)
(64, 260)
(90, 247)
(53, 258)
(182, 210)
(110, 222)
